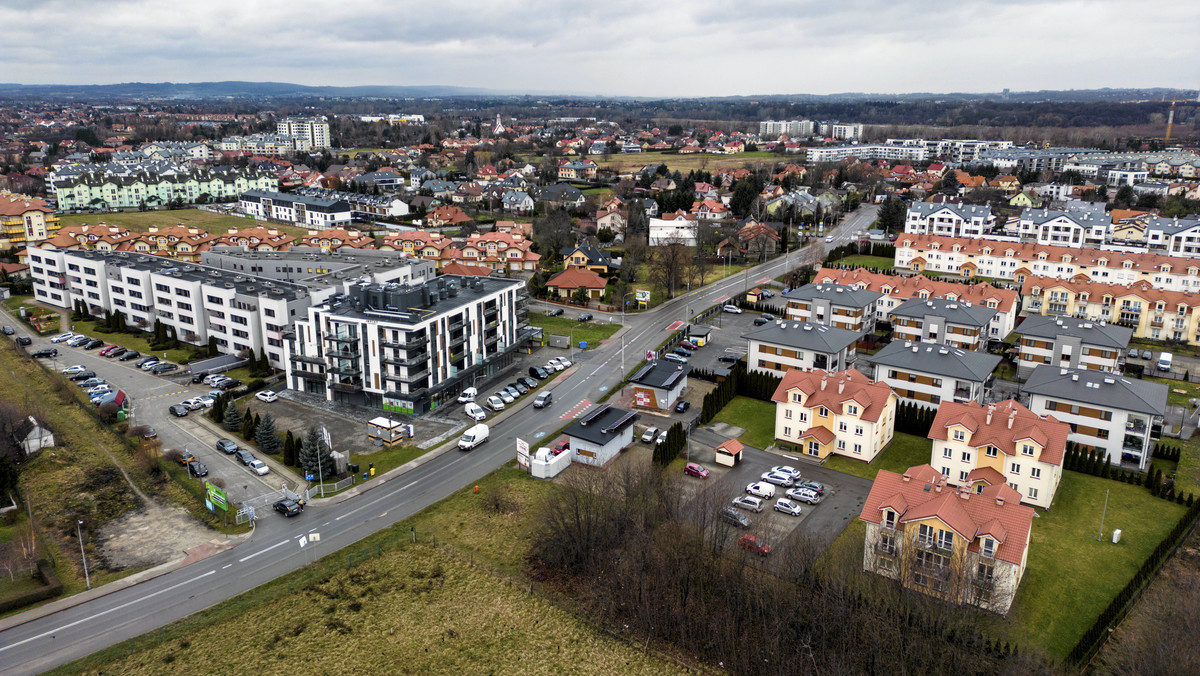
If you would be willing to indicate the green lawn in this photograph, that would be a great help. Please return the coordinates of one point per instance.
(1187, 472)
(1186, 391)
(1071, 576)
(906, 450)
(140, 221)
(754, 416)
(882, 263)
(593, 332)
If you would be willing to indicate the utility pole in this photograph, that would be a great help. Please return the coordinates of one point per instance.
(79, 534)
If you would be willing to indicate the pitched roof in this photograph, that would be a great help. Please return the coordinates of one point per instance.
(1148, 262)
(955, 312)
(846, 296)
(573, 278)
(922, 493)
(938, 360)
(901, 286)
(834, 390)
(1099, 388)
(1003, 425)
(1089, 332)
(1142, 289)
(828, 339)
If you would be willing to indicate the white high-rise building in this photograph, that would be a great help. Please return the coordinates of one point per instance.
(315, 130)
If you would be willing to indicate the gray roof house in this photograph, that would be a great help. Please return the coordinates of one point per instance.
(600, 434)
(785, 345)
(927, 374)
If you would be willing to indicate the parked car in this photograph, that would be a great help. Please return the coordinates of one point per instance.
(729, 358)
(814, 486)
(528, 382)
(210, 378)
(777, 479)
(259, 467)
(229, 384)
(243, 456)
(505, 396)
(554, 312)
(649, 434)
(761, 489)
(804, 495)
(197, 469)
(538, 372)
(106, 349)
(62, 337)
(268, 396)
(89, 383)
(562, 361)
(682, 406)
(178, 410)
(585, 317)
(732, 309)
(553, 366)
(288, 507)
(1133, 353)
(495, 403)
(1147, 354)
(543, 399)
(193, 404)
(787, 507)
(697, 470)
(24, 340)
(662, 436)
(130, 355)
(164, 367)
(748, 502)
(227, 446)
(149, 433)
(734, 517)
(8, 330)
(513, 392)
(47, 353)
(561, 447)
(467, 395)
(753, 544)
(682, 352)
(145, 360)
(83, 375)
(764, 318)
(93, 344)
(474, 411)
(767, 293)
(198, 378)
(678, 359)
(146, 366)
(689, 344)
(77, 340)
(73, 369)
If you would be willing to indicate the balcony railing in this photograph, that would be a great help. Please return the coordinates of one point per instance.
(344, 370)
(884, 549)
(309, 375)
(346, 387)
(307, 359)
(414, 343)
(341, 339)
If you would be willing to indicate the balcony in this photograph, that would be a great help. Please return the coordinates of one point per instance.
(309, 375)
(350, 371)
(414, 343)
(390, 343)
(346, 387)
(407, 361)
(334, 338)
(962, 394)
(1156, 321)
(1137, 427)
(346, 351)
(458, 342)
(884, 549)
(303, 358)
(455, 325)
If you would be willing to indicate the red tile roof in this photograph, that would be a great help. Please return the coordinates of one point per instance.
(573, 278)
(834, 390)
(1003, 425)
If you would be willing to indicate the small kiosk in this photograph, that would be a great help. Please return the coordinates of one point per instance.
(385, 431)
(729, 453)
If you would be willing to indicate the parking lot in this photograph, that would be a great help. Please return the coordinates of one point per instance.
(726, 336)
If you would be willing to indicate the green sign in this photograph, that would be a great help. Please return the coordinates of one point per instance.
(217, 496)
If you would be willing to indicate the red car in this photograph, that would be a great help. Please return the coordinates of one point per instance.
(755, 545)
(693, 469)
(688, 344)
(561, 447)
(109, 348)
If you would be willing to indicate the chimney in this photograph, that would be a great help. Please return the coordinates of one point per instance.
(1011, 417)
(841, 386)
(1000, 501)
(824, 381)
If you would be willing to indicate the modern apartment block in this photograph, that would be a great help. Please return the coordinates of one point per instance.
(1120, 416)
(313, 130)
(955, 544)
(101, 189)
(948, 219)
(1151, 313)
(819, 414)
(770, 129)
(317, 213)
(782, 346)
(927, 375)
(1071, 228)
(944, 322)
(407, 348)
(1063, 342)
(842, 307)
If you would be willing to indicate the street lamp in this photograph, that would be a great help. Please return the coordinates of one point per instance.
(79, 534)
(623, 306)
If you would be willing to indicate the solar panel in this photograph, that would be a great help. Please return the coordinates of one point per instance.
(672, 378)
(643, 371)
(620, 423)
(593, 415)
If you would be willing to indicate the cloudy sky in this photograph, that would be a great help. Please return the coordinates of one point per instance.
(612, 47)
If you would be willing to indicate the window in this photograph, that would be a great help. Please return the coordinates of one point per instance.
(945, 540)
(987, 547)
(947, 452)
(787, 413)
(841, 444)
(1035, 472)
(966, 456)
(803, 417)
(858, 449)
(842, 427)
(858, 430)
(852, 410)
(925, 534)
(889, 518)
(962, 475)
(1026, 449)
(991, 451)
(1033, 493)
(959, 435)
(887, 542)
(814, 448)
(823, 412)
(1016, 468)
(946, 471)
(787, 431)
(797, 397)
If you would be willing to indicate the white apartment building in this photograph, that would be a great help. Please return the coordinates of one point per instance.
(1105, 411)
(943, 322)
(317, 213)
(959, 151)
(776, 128)
(675, 230)
(877, 151)
(927, 375)
(842, 307)
(782, 346)
(949, 220)
(1075, 228)
(1063, 342)
(1179, 236)
(314, 130)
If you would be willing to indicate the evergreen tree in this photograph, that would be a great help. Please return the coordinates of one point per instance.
(232, 421)
(247, 431)
(265, 436)
(212, 346)
(289, 450)
(314, 455)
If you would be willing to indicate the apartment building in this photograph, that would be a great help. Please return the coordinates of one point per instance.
(954, 544)
(897, 289)
(842, 307)
(1064, 342)
(313, 130)
(266, 145)
(927, 375)
(998, 259)
(25, 220)
(1151, 313)
(958, 151)
(820, 414)
(103, 189)
(407, 348)
(946, 219)
(363, 208)
(1071, 228)
(776, 128)
(307, 212)
(1178, 236)
(944, 322)
(780, 347)
(866, 151)
(1120, 416)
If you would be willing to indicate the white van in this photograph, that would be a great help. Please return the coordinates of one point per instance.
(467, 395)
(474, 411)
(1164, 361)
(473, 437)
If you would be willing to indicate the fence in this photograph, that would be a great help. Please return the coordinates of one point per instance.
(321, 489)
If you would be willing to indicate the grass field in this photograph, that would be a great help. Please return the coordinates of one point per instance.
(566, 325)
(882, 263)
(449, 603)
(140, 221)
(623, 163)
(754, 416)
(1187, 390)
(905, 450)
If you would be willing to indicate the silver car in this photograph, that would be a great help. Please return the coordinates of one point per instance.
(748, 502)
(777, 478)
(787, 507)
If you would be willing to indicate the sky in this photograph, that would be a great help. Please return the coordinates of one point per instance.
(613, 47)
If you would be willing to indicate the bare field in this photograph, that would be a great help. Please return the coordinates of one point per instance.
(140, 221)
(700, 161)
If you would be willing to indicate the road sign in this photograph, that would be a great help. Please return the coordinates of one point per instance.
(303, 541)
(217, 496)
(522, 453)
(314, 537)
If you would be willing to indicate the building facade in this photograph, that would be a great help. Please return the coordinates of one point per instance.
(957, 324)
(782, 346)
(1151, 313)
(834, 305)
(25, 220)
(1063, 342)
(313, 130)
(927, 375)
(318, 213)
(844, 413)
(948, 219)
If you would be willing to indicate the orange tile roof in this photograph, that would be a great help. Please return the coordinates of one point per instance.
(573, 278)
(905, 287)
(1003, 425)
(15, 205)
(1115, 260)
(834, 390)
(1096, 290)
(922, 493)
(466, 270)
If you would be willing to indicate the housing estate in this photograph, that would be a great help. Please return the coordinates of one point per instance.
(842, 307)
(1064, 342)
(947, 322)
(305, 211)
(25, 220)
(1152, 313)
(782, 346)
(819, 414)
(948, 219)
(927, 375)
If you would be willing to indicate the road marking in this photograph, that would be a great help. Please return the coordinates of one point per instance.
(409, 484)
(106, 612)
(576, 410)
(261, 551)
(722, 299)
(674, 326)
(226, 566)
(764, 280)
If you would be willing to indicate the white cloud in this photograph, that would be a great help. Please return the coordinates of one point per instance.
(623, 47)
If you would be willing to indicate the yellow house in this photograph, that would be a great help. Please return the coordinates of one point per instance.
(25, 221)
(1025, 200)
(953, 543)
(1152, 313)
(819, 414)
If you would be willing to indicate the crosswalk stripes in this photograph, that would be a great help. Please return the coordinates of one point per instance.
(577, 410)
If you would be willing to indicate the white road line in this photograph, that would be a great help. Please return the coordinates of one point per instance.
(226, 566)
(411, 483)
(261, 551)
(106, 612)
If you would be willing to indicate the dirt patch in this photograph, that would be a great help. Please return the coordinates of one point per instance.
(150, 536)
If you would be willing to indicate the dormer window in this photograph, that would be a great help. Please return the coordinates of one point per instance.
(1042, 256)
(959, 435)
(890, 518)
(987, 548)
(1127, 265)
(987, 251)
(1102, 262)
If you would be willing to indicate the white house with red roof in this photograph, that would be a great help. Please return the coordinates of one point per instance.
(957, 544)
(819, 414)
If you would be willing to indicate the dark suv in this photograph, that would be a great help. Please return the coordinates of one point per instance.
(734, 517)
(46, 353)
(288, 507)
(245, 457)
(227, 446)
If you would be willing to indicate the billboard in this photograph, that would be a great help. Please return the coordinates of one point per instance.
(641, 295)
(216, 496)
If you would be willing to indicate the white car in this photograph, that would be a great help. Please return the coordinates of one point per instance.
(804, 495)
(195, 404)
(829, 239)
(787, 507)
(747, 502)
(72, 370)
(649, 434)
(777, 478)
(267, 396)
(791, 472)
(151, 364)
(495, 403)
(553, 366)
(474, 411)
(467, 395)
(761, 489)
(62, 337)
(662, 436)
(259, 467)
(505, 396)
(732, 309)
(99, 390)
(566, 363)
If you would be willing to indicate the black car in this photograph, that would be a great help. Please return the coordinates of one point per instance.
(227, 446)
(144, 360)
(198, 377)
(520, 387)
(734, 517)
(245, 457)
(93, 344)
(178, 410)
(682, 352)
(585, 317)
(554, 312)
(116, 352)
(47, 353)
(24, 340)
(159, 369)
(8, 330)
(528, 382)
(197, 469)
(130, 355)
(83, 375)
(538, 372)
(228, 384)
(149, 433)
(729, 358)
(288, 507)
(682, 406)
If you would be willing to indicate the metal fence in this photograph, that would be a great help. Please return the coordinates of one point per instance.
(320, 490)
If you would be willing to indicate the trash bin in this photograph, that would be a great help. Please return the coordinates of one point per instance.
(353, 467)
(583, 344)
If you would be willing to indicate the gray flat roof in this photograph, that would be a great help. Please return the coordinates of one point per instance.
(805, 335)
(600, 424)
(953, 311)
(837, 294)
(407, 304)
(1098, 388)
(1091, 333)
(937, 359)
(661, 374)
(247, 284)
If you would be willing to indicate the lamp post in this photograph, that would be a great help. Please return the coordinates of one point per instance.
(79, 534)
(623, 306)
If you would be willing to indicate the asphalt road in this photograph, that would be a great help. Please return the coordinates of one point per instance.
(274, 549)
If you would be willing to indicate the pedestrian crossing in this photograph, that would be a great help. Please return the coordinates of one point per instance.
(168, 394)
(577, 410)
